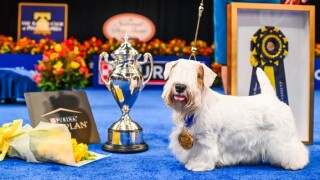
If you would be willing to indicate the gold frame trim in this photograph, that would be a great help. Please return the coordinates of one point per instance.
(232, 33)
(44, 4)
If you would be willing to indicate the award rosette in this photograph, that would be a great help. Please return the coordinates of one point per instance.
(269, 47)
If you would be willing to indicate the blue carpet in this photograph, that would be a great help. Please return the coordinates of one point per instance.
(156, 163)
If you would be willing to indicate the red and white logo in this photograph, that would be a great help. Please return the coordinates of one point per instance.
(134, 25)
(105, 71)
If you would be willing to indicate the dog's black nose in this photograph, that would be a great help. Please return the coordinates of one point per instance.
(180, 88)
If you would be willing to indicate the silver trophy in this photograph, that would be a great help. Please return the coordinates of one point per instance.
(125, 83)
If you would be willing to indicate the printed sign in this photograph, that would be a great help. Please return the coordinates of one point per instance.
(156, 78)
(39, 20)
(134, 25)
(71, 108)
(157, 75)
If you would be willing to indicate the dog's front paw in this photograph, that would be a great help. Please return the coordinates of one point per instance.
(199, 166)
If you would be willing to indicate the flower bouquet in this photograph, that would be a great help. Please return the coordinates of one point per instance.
(62, 67)
(45, 143)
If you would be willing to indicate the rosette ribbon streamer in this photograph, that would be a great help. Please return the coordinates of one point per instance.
(269, 47)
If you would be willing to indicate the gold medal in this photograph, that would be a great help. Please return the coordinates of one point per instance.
(185, 140)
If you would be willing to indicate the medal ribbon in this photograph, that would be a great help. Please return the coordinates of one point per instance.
(185, 139)
(188, 121)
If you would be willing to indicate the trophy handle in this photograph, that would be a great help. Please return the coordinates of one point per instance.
(147, 56)
(104, 56)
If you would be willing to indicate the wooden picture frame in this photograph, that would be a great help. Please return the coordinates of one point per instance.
(297, 23)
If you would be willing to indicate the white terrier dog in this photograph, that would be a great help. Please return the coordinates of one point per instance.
(215, 130)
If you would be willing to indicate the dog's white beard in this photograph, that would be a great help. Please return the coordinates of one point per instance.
(193, 95)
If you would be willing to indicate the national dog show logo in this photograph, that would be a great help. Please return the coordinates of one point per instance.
(39, 20)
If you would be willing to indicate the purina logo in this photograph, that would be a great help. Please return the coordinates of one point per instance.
(63, 120)
(67, 117)
(59, 110)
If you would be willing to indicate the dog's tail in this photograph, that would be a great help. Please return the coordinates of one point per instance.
(265, 84)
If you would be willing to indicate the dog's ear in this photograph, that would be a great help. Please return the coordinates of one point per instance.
(209, 76)
(168, 68)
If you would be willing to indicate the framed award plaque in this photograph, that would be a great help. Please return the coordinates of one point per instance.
(279, 39)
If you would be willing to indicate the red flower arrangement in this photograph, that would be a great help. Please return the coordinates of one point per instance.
(62, 67)
(156, 46)
(94, 46)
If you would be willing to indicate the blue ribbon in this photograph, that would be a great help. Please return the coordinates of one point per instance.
(280, 79)
(188, 121)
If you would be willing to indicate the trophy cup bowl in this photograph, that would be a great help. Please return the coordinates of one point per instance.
(125, 84)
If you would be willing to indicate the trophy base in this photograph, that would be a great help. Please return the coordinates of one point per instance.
(125, 136)
(125, 148)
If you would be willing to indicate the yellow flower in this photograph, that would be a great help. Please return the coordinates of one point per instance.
(79, 150)
(17, 48)
(58, 47)
(42, 41)
(83, 63)
(7, 132)
(53, 56)
(74, 65)
(58, 65)
(76, 50)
